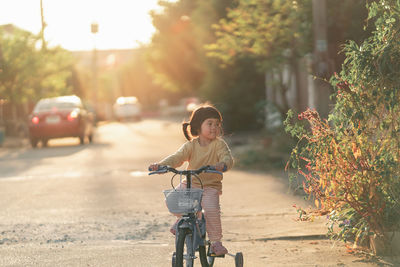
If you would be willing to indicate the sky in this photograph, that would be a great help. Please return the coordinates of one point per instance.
(123, 24)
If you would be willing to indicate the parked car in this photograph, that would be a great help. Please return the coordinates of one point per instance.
(58, 117)
(127, 107)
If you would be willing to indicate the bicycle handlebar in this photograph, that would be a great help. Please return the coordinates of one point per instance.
(165, 169)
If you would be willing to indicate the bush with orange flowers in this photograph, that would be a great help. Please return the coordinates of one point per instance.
(349, 163)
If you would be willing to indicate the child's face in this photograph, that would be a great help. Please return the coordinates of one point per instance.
(210, 128)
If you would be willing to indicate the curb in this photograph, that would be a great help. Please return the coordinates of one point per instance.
(14, 142)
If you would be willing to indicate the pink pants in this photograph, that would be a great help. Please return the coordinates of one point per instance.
(212, 212)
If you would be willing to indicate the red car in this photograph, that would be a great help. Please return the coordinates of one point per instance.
(59, 117)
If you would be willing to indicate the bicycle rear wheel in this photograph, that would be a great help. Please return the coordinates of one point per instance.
(184, 249)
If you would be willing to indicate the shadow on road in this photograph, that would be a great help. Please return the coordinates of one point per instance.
(13, 162)
(302, 237)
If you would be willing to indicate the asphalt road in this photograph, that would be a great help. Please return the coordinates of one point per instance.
(94, 205)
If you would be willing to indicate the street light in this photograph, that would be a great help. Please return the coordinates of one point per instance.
(94, 28)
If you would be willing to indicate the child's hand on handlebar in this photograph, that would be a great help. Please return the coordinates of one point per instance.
(220, 166)
(154, 167)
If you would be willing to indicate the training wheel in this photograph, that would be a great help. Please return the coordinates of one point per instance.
(174, 260)
(239, 259)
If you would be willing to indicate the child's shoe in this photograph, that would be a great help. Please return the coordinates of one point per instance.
(218, 249)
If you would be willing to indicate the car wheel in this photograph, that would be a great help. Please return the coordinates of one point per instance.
(82, 140)
(90, 138)
(45, 142)
(34, 142)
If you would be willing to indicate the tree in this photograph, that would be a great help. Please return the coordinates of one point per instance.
(236, 89)
(56, 67)
(178, 61)
(28, 73)
(173, 56)
(274, 33)
(344, 21)
(20, 64)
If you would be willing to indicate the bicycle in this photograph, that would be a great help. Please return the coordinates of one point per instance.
(191, 231)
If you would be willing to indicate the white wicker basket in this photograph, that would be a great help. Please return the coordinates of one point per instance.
(183, 200)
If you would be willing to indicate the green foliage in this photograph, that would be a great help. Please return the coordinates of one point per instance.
(236, 90)
(345, 19)
(178, 62)
(19, 63)
(28, 73)
(174, 57)
(56, 67)
(195, 39)
(350, 164)
(272, 31)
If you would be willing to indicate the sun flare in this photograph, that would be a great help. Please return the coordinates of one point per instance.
(122, 23)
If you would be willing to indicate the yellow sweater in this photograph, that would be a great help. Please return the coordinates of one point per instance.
(198, 156)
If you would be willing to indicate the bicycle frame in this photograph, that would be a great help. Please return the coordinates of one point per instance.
(190, 227)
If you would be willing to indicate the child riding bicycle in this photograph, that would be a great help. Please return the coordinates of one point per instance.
(208, 148)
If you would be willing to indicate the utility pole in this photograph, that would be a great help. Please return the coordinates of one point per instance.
(43, 26)
(2, 101)
(321, 66)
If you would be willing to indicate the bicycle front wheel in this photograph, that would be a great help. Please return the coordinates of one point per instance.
(204, 260)
(184, 249)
